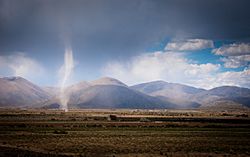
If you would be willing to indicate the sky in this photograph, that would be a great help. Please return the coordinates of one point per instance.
(200, 43)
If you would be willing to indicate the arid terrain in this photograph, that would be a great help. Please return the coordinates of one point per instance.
(124, 133)
(124, 78)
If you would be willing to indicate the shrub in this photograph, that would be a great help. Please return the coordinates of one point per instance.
(143, 119)
(113, 117)
(60, 132)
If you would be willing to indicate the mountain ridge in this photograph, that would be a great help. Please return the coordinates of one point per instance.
(108, 92)
(17, 91)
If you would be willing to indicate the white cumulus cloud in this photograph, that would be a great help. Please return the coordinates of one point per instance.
(189, 45)
(234, 55)
(233, 49)
(232, 78)
(21, 65)
(236, 61)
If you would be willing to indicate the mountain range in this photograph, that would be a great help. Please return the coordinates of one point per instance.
(111, 93)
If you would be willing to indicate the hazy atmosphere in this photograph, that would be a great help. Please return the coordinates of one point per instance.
(124, 78)
(199, 43)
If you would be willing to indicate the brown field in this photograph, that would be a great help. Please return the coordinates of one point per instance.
(124, 133)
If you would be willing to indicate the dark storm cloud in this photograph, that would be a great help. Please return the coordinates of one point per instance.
(119, 25)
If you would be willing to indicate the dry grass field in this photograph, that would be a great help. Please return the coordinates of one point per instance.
(124, 133)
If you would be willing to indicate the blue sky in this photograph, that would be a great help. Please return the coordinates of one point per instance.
(120, 39)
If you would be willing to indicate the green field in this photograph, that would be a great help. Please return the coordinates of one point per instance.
(124, 133)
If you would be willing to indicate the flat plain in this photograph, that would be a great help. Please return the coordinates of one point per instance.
(124, 133)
